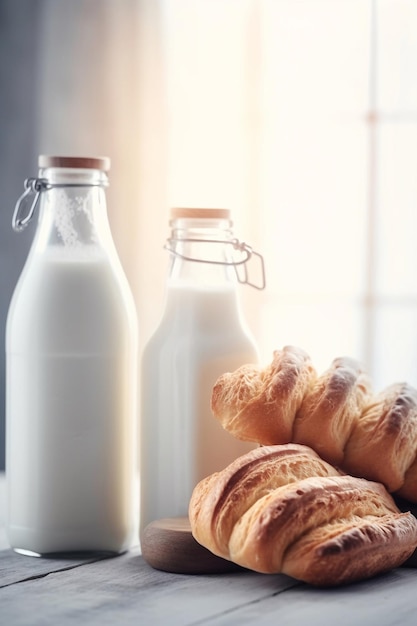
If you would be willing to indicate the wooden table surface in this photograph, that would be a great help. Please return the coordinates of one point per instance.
(126, 590)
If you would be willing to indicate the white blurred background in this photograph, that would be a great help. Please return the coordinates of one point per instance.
(298, 115)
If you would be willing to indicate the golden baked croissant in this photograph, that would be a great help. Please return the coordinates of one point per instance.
(331, 408)
(282, 509)
(368, 436)
(258, 404)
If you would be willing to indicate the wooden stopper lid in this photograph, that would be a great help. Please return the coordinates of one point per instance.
(88, 163)
(180, 212)
(168, 545)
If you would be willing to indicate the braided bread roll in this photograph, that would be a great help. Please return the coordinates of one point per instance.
(282, 509)
(258, 404)
(383, 443)
(373, 437)
(331, 408)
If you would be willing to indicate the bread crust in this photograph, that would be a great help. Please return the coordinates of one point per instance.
(343, 552)
(257, 403)
(278, 520)
(222, 498)
(331, 408)
(283, 509)
(337, 414)
(383, 443)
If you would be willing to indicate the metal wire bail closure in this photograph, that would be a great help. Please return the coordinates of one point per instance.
(32, 186)
(242, 247)
(251, 253)
(37, 186)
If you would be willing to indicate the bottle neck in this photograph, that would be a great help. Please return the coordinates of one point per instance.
(73, 211)
(201, 253)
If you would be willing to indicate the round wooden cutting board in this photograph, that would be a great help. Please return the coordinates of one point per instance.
(168, 545)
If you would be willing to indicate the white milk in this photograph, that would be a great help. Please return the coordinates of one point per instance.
(200, 337)
(70, 408)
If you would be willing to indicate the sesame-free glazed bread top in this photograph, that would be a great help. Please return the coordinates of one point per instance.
(282, 509)
(336, 413)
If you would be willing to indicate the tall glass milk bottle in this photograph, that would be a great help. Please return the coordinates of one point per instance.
(71, 363)
(201, 336)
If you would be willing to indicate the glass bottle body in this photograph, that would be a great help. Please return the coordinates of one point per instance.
(201, 336)
(70, 381)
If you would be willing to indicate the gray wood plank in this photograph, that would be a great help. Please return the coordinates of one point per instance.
(388, 600)
(16, 568)
(126, 590)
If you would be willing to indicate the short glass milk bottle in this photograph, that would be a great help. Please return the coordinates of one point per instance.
(201, 335)
(71, 367)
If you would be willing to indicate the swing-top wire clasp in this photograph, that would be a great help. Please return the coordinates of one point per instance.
(32, 186)
(36, 186)
(240, 265)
